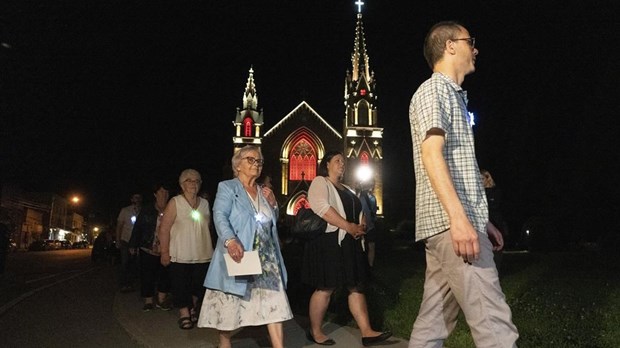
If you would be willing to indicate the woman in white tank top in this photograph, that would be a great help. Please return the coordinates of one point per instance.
(186, 246)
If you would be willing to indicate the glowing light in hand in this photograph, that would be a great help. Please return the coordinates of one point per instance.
(133, 219)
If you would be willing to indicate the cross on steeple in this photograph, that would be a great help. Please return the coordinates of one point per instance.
(359, 4)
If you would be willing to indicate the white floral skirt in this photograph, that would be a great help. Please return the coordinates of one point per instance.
(229, 312)
(264, 302)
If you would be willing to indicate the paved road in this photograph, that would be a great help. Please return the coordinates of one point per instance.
(59, 299)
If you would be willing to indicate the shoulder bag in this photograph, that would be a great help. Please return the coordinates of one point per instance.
(307, 225)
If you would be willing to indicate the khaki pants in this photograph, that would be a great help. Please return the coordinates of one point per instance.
(451, 285)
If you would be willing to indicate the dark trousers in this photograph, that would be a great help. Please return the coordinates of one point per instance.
(187, 280)
(127, 268)
(152, 275)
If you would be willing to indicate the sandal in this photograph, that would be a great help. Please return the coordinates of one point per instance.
(185, 323)
(193, 315)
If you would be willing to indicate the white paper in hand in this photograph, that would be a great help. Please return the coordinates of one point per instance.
(250, 264)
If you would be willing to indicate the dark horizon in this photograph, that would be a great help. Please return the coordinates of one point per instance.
(102, 98)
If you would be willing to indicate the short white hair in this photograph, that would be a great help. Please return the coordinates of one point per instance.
(240, 154)
(187, 173)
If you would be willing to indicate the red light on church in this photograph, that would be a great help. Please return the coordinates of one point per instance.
(362, 92)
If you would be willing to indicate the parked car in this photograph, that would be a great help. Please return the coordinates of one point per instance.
(80, 245)
(65, 244)
(37, 245)
(52, 244)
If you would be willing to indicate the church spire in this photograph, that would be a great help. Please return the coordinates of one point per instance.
(359, 57)
(363, 137)
(359, 89)
(250, 98)
(248, 121)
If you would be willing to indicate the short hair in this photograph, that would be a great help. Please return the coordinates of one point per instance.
(157, 186)
(240, 154)
(187, 173)
(435, 41)
(323, 165)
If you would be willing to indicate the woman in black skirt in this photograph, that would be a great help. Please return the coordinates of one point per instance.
(337, 257)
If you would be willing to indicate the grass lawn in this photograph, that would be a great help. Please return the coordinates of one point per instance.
(557, 299)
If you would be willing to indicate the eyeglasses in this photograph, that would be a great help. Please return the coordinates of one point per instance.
(471, 41)
(251, 160)
(192, 181)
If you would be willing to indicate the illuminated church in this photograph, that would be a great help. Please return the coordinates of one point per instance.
(295, 145)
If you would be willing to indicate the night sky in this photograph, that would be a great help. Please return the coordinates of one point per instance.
(101, 98)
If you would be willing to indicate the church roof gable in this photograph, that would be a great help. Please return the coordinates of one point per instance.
(291, 115)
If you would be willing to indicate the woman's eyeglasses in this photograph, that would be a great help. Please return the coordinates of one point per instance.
(251, 160)
(192, 181)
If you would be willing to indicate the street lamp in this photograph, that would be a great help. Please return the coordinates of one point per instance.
(75, 200)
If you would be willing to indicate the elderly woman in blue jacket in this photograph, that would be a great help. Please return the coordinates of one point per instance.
(245, 215)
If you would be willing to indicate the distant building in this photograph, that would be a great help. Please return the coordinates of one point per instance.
(295, 145)
(34, 215)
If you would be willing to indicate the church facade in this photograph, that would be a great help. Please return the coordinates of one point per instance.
(295, 145)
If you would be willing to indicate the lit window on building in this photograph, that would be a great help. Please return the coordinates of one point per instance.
(302, 160)
(364, 157)
(247, 127)
(302, 202)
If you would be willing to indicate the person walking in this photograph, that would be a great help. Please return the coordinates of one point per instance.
(494, 200)
(337, 258)
(145, 241)
(245, 215)
(369, 207)
(451, 207)
(124, 226)
(185, 246)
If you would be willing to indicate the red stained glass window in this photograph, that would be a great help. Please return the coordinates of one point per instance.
(302, 160)
(362, 92)
(302, 202)
(364, 157)
(247, 127)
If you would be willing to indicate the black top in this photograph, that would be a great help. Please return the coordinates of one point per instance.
(352, 205)
(143, 232)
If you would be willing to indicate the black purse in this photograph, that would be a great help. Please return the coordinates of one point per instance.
(307, 225)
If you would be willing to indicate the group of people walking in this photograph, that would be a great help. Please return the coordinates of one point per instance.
(451, 220)
(177, 254)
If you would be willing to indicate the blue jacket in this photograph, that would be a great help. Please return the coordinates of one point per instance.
(233, 216)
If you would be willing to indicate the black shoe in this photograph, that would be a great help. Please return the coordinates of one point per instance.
(327, 342)
(369, 341)
(147, 307)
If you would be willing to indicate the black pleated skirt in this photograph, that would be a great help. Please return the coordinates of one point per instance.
(327, 265)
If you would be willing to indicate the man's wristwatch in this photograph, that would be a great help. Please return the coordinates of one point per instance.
(227, 242)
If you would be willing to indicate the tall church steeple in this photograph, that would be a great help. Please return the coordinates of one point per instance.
(363, 137)
(249, 120)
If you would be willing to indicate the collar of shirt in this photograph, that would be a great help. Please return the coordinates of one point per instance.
(457, 88)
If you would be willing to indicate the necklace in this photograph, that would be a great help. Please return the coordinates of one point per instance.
(194, 214)
(255, 205)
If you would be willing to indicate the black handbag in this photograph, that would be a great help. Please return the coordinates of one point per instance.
(307, 225)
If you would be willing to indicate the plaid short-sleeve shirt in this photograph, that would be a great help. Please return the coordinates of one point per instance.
(441, 103)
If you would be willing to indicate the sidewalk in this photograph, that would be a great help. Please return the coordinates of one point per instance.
(159, 329)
